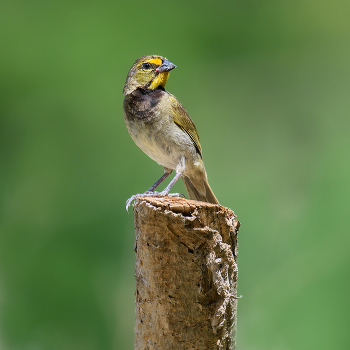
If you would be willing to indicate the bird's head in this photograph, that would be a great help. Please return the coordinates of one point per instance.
(148, 72)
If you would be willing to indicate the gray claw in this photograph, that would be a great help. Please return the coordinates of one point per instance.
(128, 202)
(175, 195)
(151, 194)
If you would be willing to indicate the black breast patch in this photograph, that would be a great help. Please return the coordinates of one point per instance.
(142, 104)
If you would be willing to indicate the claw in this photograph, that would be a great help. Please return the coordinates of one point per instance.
(151, 194)
(128, 202)
(171, 195)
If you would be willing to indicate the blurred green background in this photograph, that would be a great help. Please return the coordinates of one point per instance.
(268, 86)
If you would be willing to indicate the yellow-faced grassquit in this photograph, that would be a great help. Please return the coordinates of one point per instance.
(162, 128)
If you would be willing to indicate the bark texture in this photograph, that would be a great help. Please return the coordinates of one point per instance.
(186, 275)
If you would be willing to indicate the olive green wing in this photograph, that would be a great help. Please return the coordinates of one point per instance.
(183, 120)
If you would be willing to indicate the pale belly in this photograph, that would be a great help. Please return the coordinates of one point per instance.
(165, 143)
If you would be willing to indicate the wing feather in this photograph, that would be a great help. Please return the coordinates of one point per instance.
(184, 121)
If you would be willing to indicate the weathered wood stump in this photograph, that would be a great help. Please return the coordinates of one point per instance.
(186, 274)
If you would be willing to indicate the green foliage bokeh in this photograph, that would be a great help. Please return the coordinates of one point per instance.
(267, 84)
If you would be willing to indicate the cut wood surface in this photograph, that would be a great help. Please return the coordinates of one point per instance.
(186, 274)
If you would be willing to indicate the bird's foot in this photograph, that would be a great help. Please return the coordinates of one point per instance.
(135, 196)
(151, 194)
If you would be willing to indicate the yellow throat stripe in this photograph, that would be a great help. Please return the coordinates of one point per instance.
(159, 80)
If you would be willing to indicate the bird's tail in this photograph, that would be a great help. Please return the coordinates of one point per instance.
(202, 192)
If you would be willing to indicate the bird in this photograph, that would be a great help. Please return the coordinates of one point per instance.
(161, 128)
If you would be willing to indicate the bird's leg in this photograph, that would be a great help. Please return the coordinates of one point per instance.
(158, 182)
(180, 168)
(151, 193)
(167, 189)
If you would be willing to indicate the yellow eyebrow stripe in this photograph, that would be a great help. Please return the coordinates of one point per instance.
(156, 61)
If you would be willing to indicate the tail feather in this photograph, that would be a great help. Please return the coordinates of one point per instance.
(205, 195)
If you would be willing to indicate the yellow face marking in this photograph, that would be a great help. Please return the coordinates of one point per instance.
(156, 61)
(159, 80)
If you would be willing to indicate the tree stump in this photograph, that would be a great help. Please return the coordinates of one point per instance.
(186, 274)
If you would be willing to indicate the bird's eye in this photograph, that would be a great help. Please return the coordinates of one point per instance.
(146, 65)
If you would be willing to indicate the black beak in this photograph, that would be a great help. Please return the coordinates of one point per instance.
(166, 66)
